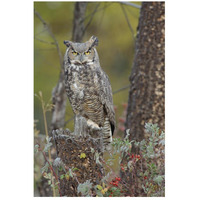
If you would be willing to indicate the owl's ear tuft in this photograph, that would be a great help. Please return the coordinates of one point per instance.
(67, 43)
(94, 41)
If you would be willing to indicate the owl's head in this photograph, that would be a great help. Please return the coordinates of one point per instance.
(82, 53)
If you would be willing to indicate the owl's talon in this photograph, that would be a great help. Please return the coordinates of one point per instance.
(93, 125)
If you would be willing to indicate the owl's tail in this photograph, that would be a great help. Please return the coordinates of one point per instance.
(107, 135)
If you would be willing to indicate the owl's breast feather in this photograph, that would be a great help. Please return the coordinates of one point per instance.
(83, 82)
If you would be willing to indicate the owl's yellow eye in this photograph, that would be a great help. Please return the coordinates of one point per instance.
(74, 53)
(88, 52)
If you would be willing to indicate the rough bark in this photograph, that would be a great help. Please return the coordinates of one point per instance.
(147, 92)
(70, 147)
(79, 14)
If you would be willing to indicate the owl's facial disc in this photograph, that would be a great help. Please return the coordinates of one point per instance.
(82, 53)
(85, 56)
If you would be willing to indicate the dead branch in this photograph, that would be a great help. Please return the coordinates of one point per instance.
(103, 8)
(58, 93)
(128, 22)
(121, 89)
(92, 16)
(52, 43)
(130, 4)
(52, 36)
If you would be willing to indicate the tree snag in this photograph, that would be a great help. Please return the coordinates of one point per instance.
(147, 91)
(146, 103)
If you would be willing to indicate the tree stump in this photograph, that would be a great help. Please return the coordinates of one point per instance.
(78, 156)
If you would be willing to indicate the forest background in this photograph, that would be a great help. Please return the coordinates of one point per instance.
(181, 42)
(114, 24)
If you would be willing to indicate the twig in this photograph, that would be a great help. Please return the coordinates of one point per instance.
(91, 18)
(108, 4)
(44, 41)
(58, 93)
(126, 16)
(53, 37)
(121, 89)
(130, 10)
(134, 176)
(130, 4)
(69, 120)
(114, 172)
(40, 32)
(102, 16)
(51, 168)
(46, 132)
(49, 49)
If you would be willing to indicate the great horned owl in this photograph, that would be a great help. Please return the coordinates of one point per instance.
(88, 87)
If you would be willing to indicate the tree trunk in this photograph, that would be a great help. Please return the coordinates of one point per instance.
(59, 98)
(147, 92)
(79, 28)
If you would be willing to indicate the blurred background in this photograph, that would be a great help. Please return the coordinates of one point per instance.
(115, 25)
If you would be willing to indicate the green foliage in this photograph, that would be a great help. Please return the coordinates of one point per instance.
(75, 169)
(158, 179)
(97, 156)
(152, 150)
(58, 163)
(114, 192)
(99, 187)
(85, 188)
(36, 148)
(69, 173)
(48, 144)
(148, 166)
(45, 168)
(144, 166)
(122, 146)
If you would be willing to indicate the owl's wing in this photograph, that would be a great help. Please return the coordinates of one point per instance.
(107, 99)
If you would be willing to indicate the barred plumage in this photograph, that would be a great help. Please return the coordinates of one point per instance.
(88, 87)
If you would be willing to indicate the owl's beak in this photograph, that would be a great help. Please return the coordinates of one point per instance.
(81, 58)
